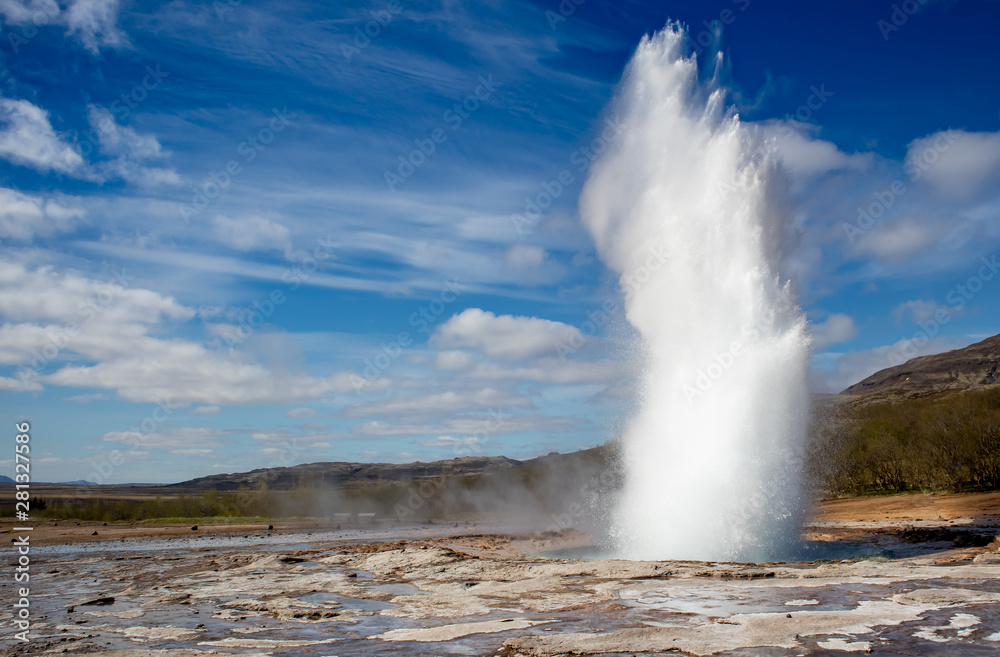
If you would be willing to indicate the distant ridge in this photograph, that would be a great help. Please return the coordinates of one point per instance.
(338, 473)
(78, 482)
(970, 367)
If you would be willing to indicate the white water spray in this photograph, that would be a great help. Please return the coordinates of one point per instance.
(690, 208)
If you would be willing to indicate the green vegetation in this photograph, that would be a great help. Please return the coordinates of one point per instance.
(946, 443)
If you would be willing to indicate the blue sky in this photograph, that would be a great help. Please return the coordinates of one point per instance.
(216, 257)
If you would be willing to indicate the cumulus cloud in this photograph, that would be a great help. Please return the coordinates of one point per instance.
(104, 335)
(805, 155)
(504, 336)
(837, 328)
(453, 361)
(28, 139)
(957, 164)
(902, 238)
(24, 217)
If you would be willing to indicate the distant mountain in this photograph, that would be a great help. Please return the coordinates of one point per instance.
(969, 367)
(79, 482)
(338, 474)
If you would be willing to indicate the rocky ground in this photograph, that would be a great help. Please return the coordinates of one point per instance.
(886, 586)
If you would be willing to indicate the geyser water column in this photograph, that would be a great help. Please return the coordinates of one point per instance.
(689, 206)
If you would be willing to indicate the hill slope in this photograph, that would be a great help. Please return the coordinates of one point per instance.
(339, 474)
(969, 367)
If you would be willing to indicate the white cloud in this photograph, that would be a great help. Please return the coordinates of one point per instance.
(27, 138)
(86, 399)
(450, 441)
(521, 256)
(300, 413)
(8, 384)
(45, 295)
(114, 335)
(919, 310)
(453, 361)
(92, 22)
(805, 156)
(95, 24)
(206, 410)
(252, 234)
(837, 328)
(504, 336)
(957, 164)
(23, 217)
(169, 439)
(129, 151)
(18, 12)
(902, 238)
(185, 372)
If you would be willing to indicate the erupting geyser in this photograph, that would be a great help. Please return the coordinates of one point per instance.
(689, 206)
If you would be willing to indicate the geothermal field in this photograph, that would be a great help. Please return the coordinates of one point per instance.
(655, 402)
(885, 579)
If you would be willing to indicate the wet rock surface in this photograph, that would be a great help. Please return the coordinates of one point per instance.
(423, 592)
